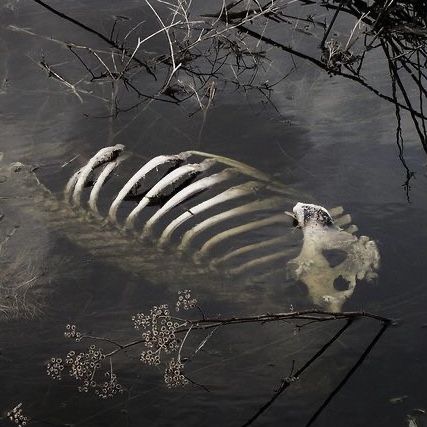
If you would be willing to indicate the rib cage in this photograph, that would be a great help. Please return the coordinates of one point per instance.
(223, 214)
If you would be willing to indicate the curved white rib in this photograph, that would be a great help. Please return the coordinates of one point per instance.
(247, 249)
(107, 171)
(259, 261)
(213, 241)
(334, 212)
(257, 205)
(343, 220)
(69, 188)
(185, 194)
(148, 167)
(169, 180)
(104, 155)
(232, 193)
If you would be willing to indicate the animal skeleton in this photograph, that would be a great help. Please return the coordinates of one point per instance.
(217, 210)
(227, 217)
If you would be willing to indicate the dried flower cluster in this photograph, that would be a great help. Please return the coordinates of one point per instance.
(174, 376)
(185, 300)
(72, 332)
(158, 333)
(159, 336)
(110, 387)
(54, 368)
(84, 367)
(17, 417)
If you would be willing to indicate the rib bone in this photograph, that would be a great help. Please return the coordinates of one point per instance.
(185, 194)
(259, 261)
(247, 249)
(107, 171)
(104, 155)
(177, 175)
(230, 194)
(213, 241)
(138, 176)
(258, 205)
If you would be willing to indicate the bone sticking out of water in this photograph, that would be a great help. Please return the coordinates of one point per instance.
(168, 181)
(107, 171)
(138, 176)
(187, 192)
(230, 194)
(104, 155)
(254, 225)
(248, 249)
(258, 205)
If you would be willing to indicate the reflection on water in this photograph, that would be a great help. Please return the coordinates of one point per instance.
(328, 140)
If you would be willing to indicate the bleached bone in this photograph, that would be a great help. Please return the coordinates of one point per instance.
(258, 205)
(258, 262)
(104, 155)
(242, 167)
(69, 188)
(220, 237)
(247, 249)
(148, 167)
(103, 176)
(343, 220)
(337, 211)
(227, 195)
(312, 267)
(352, 229)
(177, 175)
(187, 192)
(321, 228)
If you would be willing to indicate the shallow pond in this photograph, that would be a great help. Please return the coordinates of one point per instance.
(325, 137)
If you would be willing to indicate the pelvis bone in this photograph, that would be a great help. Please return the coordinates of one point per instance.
(324, 244)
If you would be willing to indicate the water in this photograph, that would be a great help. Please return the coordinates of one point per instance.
(329, 138)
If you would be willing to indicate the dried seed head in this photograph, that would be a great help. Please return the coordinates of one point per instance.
(174, 376)
(185, 300)
(17, 417)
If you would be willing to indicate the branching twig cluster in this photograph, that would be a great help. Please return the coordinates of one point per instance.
(192, 56)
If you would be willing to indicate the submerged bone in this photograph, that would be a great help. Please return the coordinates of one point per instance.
(258, 205)
(335, 212)
(227, 234)
(257, 262)
(71, 184)
(227, 195)
(247, 249)
(343, 220)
